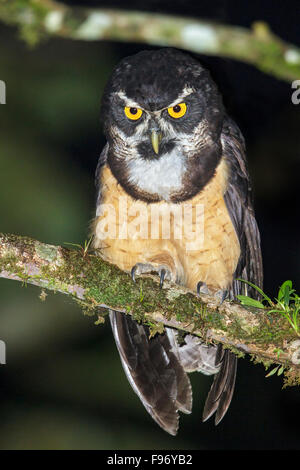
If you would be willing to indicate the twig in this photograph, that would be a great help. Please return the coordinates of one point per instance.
(258, 46)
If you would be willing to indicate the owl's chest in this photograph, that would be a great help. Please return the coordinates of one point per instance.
(195, 239)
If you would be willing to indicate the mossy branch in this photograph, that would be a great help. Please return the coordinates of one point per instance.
(257, 46)
(99, 286)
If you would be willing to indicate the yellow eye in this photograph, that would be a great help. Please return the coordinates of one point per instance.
(133, 113)
(177, 111)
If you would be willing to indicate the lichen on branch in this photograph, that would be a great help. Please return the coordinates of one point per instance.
(99, 286)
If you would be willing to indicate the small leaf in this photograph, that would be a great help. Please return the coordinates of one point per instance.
(284, 291)
(278, 351)
(73, 244)
(100, 320)
(280, 370)
(249, 301)
(258, 290)
(273, 371)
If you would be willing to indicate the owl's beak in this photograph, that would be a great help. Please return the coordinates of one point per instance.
(155, 140)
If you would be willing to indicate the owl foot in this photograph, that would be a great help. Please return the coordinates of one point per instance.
(143, 268)
(221, 294)
(202, 288)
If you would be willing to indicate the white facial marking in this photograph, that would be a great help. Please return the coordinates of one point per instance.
(128, 101)
(185, 92)
(134, 104)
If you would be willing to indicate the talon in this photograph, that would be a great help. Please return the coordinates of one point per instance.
(202, 288)
(199, 285)
(144, 268)
(132, 273)
(222, 294)
(162, 277)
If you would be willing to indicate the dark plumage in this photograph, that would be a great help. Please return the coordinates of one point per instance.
(198, 158)
(154, 80)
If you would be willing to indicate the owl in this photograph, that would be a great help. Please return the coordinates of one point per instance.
(172, 150)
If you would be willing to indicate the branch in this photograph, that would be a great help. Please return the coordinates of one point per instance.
(258, 47)
(98, 286)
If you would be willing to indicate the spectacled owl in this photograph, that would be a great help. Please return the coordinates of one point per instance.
(170, 144)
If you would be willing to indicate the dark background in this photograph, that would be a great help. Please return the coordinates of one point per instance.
(63, 386)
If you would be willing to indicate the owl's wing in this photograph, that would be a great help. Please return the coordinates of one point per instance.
(238, 200)
(153, 371)
(101, 162)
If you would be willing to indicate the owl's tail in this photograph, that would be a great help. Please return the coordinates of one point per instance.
(153, 371)
(156, 369)
(196, 355)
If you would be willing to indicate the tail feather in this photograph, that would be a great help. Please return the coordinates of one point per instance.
(196, 355)
(221, 391)
(153, 371)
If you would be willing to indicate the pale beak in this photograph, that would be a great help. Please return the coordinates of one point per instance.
(155, 140)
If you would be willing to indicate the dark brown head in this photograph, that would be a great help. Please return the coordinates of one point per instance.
(163, 117)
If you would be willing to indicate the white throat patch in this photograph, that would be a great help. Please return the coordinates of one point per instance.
(161, 176)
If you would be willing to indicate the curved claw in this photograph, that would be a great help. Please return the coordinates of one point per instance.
(222, 294)
(144, 268)
(162, 277)
(202, 288)
(132, 272)
(199, 285)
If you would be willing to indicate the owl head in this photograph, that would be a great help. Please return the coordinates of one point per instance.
(163, 117)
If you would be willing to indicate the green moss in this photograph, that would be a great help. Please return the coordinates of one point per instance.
(103, 283)
(236, 351)
(9, 262)
(291, 378)
(155, 328)
(29, 14)
(257, 360)
(106, 284)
